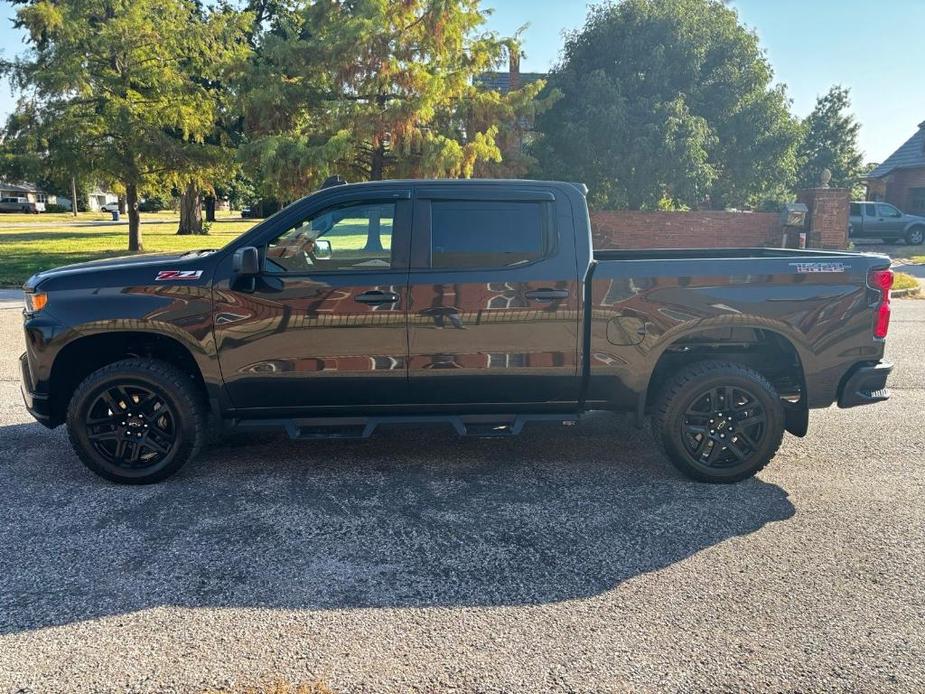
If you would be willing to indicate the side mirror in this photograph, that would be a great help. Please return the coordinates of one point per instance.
(246, 262)
(322, 250)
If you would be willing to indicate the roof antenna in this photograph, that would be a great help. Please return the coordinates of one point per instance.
(332, 181)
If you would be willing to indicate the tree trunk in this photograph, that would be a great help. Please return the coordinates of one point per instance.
(377, 163)
(190, 211)
(121, 204)
(134, 226)
(73, 196)
(210, 208)
(374, 237)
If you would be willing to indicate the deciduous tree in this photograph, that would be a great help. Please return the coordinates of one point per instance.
(830, 141)
(667, 103)
(123, 83)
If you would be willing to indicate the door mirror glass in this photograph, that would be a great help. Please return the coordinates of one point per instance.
(323, 250)
(246, 261)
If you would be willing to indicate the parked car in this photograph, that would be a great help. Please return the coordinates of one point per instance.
(250, 212)
(110, 207)
(21, 205)
(478, 304)
(883, 221)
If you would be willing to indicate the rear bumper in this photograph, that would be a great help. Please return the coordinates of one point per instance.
(865, 385)
(38, 405)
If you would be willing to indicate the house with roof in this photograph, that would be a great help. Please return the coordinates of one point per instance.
(900, 179)
(30, 193)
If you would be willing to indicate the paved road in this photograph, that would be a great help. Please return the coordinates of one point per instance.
(569, 559)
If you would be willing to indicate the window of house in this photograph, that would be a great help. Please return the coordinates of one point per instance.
(41, 197)
(917, 200)
(356, 236)
(488, 234)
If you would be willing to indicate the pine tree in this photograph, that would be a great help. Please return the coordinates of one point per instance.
(370, 90)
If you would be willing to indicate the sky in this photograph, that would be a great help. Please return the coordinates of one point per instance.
(877, 49)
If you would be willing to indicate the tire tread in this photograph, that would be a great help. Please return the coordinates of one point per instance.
(169, 377)
(672, 389)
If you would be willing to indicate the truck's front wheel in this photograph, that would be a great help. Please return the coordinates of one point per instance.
(719, 421)
(136, 421)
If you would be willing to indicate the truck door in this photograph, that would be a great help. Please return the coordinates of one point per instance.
(324, 323)
(493, 315)
(889, 220)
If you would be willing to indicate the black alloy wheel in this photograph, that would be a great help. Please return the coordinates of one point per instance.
(723, 427)
(130, 426)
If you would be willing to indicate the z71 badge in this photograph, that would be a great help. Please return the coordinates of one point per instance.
(178, 275)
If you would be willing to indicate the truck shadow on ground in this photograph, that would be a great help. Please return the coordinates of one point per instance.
(413, 518)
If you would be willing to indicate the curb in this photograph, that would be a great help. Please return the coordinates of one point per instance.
(900, 293)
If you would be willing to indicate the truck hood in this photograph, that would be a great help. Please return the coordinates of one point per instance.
(130, 261)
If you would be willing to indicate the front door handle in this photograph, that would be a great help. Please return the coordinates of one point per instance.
(377, 297)
(547, 294)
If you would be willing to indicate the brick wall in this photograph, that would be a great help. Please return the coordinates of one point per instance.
(633, 229)
(827, 221)
(898, 185)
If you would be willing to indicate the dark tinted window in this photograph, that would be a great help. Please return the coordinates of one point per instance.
(855, 210)
(486, 234)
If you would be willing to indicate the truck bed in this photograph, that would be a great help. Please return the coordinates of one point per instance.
(707, 253)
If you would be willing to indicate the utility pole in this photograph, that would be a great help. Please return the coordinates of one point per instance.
(73, 196)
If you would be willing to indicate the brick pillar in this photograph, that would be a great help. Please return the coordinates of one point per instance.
(827, 221)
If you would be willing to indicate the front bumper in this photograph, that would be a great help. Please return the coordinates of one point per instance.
(865, 385)
(38, 405)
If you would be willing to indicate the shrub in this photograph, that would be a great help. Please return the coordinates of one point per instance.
(903, 281)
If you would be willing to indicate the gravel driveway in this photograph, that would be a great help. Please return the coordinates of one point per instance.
(568, 559)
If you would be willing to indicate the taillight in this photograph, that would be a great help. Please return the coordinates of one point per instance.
(882, 280)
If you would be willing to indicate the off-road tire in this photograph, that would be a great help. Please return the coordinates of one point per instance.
(179, 393)
(678, 394)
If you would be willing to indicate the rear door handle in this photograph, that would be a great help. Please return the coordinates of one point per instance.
(377, 297)
(547, 294)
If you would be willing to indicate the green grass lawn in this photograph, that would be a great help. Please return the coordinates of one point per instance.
(68, 218)
(29, 248)
(25, 250)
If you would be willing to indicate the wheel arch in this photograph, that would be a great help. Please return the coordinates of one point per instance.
(89, 351)
(758, 343)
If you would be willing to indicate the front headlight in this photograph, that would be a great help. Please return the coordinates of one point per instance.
(35, 302)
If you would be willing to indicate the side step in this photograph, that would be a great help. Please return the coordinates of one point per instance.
(479, 426)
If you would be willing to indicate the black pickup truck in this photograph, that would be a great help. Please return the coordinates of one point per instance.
(478, 304)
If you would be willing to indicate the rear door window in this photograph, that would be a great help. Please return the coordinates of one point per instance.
(488, 233)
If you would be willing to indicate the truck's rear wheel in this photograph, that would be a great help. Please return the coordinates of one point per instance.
(136, 421)
(915, 236)
(719, 421)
